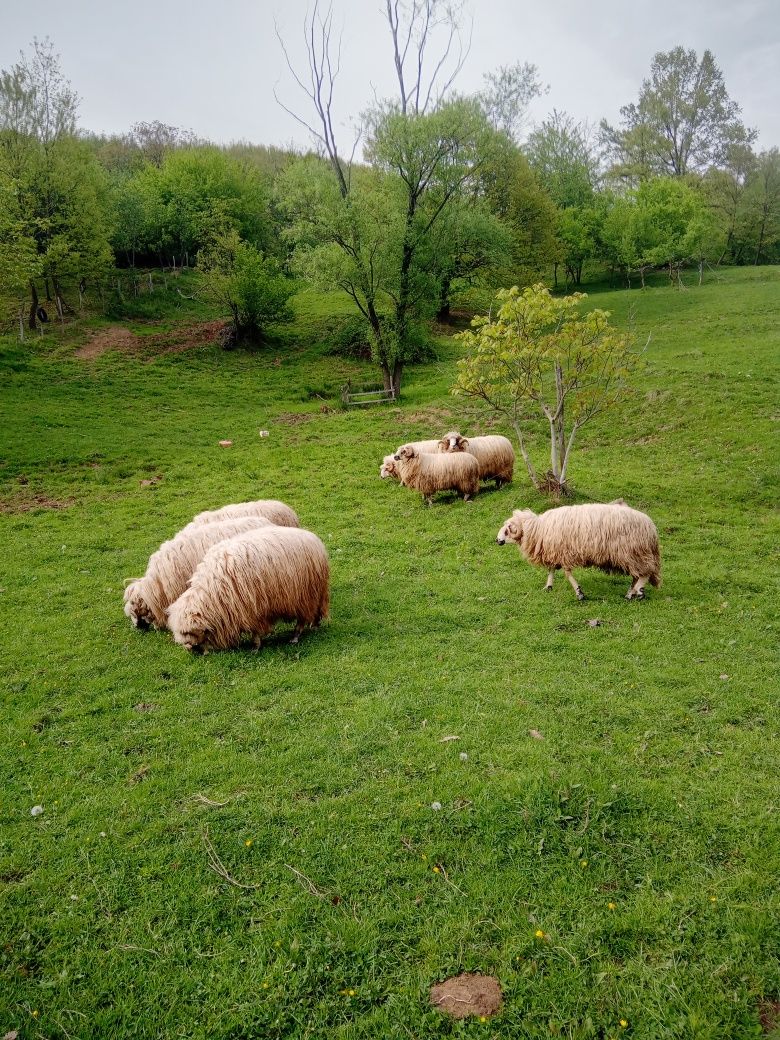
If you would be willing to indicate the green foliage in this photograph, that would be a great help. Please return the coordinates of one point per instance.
(540, 357)
(195, 194)
(684, 121)
(249, 286)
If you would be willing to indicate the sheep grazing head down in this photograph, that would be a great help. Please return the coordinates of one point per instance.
(136, 607)
(188, 626)
(453, 442)
(512, 530)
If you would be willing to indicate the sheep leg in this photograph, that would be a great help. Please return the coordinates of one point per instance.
(257, 640)
(549, 585)
(637, 589)
(574, 584)
(297, 633)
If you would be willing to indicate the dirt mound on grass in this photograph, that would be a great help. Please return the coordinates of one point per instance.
(149, 346)
(468, 994)
(25, 504)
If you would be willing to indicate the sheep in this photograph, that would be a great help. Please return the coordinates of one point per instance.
(613, 537)
(495, 454)
(273, 510)
(171, 567)
(389, 468)
(424, 447)
(248, 583)
(431, 473)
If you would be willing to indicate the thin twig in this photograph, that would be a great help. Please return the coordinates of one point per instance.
(219, 867)
(307, 883)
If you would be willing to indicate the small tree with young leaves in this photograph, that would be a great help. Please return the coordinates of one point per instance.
(540, 357)
(249, 286)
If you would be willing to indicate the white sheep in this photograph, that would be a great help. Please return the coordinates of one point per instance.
(613, 537)
(246, 584)
(173, 564)
(277, 512)
(428, 473)
(495, 454)
(389, 468)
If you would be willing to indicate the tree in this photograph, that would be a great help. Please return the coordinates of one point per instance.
(424, 152)
(683, 122)
(19, 261)
(563, 155)
(507, 94)
(60, 189)
(764, 203)
(540, 357)
(236, 276)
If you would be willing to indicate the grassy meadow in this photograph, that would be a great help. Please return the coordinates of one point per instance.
(607, 841)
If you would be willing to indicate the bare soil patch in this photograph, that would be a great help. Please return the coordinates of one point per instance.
(25, 505)
(468, 994)
(173, 341)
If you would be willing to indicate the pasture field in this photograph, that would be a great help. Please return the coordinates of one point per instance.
(607, 842)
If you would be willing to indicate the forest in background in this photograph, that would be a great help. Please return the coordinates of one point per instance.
(441, 192)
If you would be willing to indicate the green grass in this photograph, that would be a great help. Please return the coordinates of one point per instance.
(654, 788)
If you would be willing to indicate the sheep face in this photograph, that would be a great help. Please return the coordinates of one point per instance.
(188, 627)
(136, 607)
(453, 442)
(512, 530)
(405, 454)
(388, 468)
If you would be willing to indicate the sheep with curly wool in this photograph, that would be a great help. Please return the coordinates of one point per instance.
(277, 512)
(613, 537)
(246, 584)
(171, 567)
(428, 473)
(495, 454)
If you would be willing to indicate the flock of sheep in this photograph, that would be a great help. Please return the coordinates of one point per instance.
(238, 570)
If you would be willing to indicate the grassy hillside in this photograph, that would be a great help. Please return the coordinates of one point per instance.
(613, 788)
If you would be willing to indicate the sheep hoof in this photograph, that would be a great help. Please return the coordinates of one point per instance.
(295, 639)
(580, 595)
(640, 594)
(548, 588)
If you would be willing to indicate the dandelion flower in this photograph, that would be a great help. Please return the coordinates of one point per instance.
(437, 870)
(482, 1018)
(713, 899)
(248, 843)
(352, 993)
(583, 863)
(623, 1023)
(539, 933)
(611, 906)
(265, 985)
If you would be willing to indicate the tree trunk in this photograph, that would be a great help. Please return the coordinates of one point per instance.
(760, 241)
(555, 276)
(526, 457)
(48, 289)
(32, 320)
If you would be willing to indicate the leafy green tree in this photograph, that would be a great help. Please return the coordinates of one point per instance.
(19, 261)
(538, 358)
(563, 156)
(61, 191)
(516, 197)
(507, 93)
(764, 204)
(684, 121)
(250, 287)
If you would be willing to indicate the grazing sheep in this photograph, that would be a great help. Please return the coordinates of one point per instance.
(613, 537)
(389, 468)
(424, 447)
(431, 473)
(248, 583)
(495, 455)
(273, 510)
(171, 567)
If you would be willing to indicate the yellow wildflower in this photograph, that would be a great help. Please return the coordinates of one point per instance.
(248, 843)
(623, 1023)
(539, 933)
(611, 906)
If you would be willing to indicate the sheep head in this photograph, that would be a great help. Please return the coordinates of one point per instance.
(512, 530)
(136, 607)
(453, 441)
(188, 626)
(388, 468)
(406, 453)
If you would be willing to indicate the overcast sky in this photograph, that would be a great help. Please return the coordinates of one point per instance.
(211, 65)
